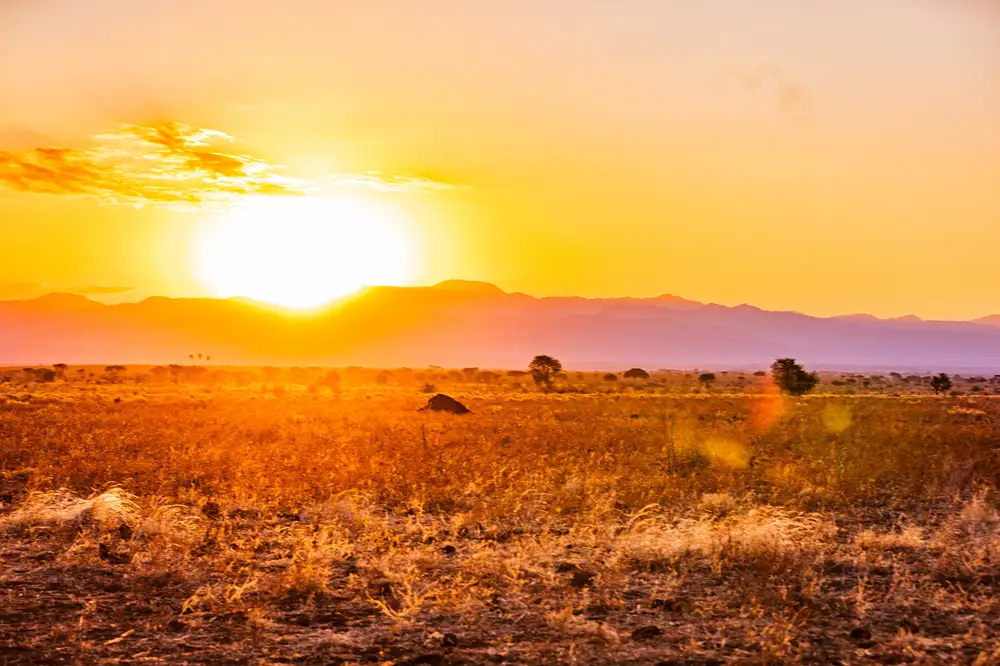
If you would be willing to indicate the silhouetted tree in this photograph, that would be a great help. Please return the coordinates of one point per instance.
(611, 377)
(543, 369)
(60, 369)
(941, 383)
(635, 373)
(706, 378)
(791, 378)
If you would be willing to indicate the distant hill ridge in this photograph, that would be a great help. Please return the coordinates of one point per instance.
(469, 323)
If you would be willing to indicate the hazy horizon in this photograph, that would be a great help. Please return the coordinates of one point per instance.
(110, 295)
(480, 325)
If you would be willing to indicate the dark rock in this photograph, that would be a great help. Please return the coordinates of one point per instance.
(449, 640)
(673, 605)
(647, 633)
(111, 556)
(596, 611)
(212, 510)
(431, 659)
(863, 637)
(299, 619)
(582, 578)
(860, 634)
(175, 626)
(383, 588)
(444, 403)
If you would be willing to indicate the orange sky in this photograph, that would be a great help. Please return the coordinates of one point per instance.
(831, 157)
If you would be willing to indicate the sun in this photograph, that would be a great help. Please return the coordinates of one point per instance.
(303, 252)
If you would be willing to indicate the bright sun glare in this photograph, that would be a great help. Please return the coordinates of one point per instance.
(303, 252)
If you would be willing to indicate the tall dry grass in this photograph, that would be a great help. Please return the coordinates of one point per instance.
(579, 516)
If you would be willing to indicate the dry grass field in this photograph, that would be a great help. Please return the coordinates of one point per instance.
(283, 523)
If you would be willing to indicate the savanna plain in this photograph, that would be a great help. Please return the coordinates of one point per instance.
(277, 515)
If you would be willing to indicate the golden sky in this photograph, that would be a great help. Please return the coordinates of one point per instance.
(831, 157)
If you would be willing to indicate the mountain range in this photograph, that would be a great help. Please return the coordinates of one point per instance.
(460, 323)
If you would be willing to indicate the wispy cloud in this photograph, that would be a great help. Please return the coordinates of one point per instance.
(172, 165)
(793, 99)
(379, 181)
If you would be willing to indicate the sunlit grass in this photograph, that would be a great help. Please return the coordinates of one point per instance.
(587, 519)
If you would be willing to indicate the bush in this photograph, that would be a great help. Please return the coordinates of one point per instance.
(791, 378)
(941, 383)
(544, 369)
